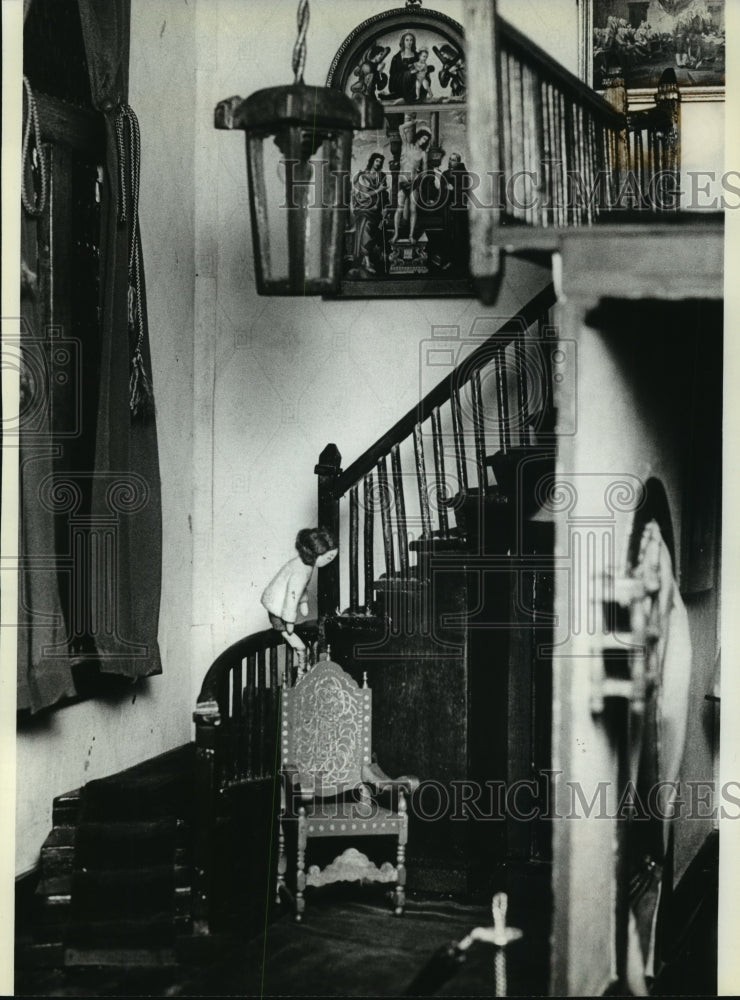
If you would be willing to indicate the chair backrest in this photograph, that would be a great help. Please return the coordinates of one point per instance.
(326, 729)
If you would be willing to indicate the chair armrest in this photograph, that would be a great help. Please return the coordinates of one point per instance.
(374, 776)
(295, 786)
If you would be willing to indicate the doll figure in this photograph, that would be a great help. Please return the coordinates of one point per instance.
(285, 595)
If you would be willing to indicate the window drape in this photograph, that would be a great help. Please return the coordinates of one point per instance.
(115, 555)
(126, 458)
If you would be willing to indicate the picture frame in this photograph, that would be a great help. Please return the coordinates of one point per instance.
(645, 37)
(407, 233)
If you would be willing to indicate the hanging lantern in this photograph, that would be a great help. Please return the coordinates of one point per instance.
(299, 152)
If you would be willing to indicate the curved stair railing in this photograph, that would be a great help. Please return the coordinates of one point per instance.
(430, 483)
(236, 738)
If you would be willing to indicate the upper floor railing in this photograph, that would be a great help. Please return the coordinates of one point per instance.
(546, 150)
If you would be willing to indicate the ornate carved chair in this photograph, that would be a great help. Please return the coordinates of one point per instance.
(331, 787)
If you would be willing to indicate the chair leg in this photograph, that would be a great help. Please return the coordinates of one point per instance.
(282, 861)
(300, 882)
(400, 891)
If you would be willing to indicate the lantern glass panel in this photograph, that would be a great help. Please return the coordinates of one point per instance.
(299, 179)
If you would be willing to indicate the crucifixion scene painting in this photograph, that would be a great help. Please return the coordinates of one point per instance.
(408, 211)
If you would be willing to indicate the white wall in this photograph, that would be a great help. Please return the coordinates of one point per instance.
(277, 379)
(66, 748)
(551, 24)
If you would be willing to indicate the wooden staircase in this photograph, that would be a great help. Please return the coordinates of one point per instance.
(115, 885)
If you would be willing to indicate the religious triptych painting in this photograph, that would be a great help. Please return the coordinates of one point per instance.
(407, 230)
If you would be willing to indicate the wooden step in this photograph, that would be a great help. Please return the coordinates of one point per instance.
(156, 789)
(400, 584)
(49, 955)
(187, 949)
(455, 541)
(58, 851)
(150, 930)
(121, 958)
(66, 808)
(128, 844)
(104, 894)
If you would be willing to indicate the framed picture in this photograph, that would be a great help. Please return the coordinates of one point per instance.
(407, 233)
(645, 37)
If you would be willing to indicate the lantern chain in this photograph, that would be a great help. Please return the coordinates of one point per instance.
(299, 50)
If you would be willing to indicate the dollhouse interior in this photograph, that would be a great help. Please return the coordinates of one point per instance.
(520, 461)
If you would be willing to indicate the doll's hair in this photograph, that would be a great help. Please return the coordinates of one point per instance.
(312, 543)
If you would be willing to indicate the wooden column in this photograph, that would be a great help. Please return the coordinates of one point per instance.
(616, 95)
(668, 100)
(328, 469)
(207, 736)
(484, 142)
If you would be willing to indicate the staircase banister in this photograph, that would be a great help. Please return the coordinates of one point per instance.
(441, 392)
(256, 642)
(528, 52)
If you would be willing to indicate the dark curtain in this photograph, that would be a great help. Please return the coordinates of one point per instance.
(44, 670)
(120, 568)
(126, 484)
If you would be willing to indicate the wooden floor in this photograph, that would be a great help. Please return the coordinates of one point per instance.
(349, 945)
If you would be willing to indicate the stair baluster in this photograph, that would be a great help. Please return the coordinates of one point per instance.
(328, 470)
(479, 436)
(522, 392)
(421, 481)
(400, 504)
(439, 473)
(369, 541)
(354, 514)
(385, 517)
(262, 705)
(459, 440)
(502, 400)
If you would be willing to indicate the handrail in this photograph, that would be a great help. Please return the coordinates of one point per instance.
(533, 55)
(256, 642)
(541, 302)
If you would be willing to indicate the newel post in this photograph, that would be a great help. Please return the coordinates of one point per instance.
(615, 93)
(328, 470)
(668, 100)
(207, 734)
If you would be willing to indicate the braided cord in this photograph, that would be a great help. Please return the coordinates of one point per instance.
(299, 49)
(128, 143)
(499, 905)
(499, 972)
(36, 205)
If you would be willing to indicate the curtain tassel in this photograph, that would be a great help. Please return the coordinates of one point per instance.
(141, 397)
